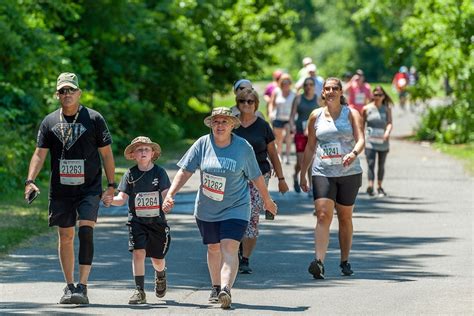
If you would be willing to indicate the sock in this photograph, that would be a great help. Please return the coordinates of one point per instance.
(245, 260)
(160, 274)
(140, 281)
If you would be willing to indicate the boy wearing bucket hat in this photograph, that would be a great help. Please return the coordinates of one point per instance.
(144, 186)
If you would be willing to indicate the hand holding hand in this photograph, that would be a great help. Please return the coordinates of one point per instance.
(168, 204)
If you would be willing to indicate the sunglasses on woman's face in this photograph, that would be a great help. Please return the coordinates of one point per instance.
(249, 101)
(378, 95)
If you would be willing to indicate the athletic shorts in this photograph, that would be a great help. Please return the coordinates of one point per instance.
(214, 232)
(279, 123)
(300, 142)
(65, 212)
(342, 190)
(154, 238)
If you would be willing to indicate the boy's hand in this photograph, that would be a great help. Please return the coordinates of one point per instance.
(168, 203)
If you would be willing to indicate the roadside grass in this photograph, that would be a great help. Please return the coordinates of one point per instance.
(19, 221)
(463, 152)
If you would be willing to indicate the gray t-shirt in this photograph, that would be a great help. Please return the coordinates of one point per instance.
(335, 139)
(225, 172)
(375, 128)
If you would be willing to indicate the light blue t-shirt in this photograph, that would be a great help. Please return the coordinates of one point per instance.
(225, 172)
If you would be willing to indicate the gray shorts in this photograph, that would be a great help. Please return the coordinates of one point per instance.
(65, 212)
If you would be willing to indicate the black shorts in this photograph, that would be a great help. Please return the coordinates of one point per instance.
(279, 123)
(65, 212)
(214, 232)
(342, 190)
(155, 238)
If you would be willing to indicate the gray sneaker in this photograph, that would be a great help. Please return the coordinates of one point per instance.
(80, 295)
(225, 298)
(213, 297)
(68, 290)
(160, 284)
(138, 297)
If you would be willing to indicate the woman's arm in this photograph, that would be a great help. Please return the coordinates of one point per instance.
(389, 127)
(268, 203)
(308, 151)
(179, 180)
(273, 155)
(356, 122)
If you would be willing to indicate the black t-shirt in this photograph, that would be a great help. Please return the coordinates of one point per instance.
(136, 182)
(86, 135)
(259, 134)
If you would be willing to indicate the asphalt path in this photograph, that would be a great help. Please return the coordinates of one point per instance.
(412, 253)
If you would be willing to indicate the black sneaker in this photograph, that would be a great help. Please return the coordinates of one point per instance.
(244, 267)
(138, 297)
(316, 268)
(160, 284)
(213, 297)
(346, 268)
(225, 298)
(381, 192)
(68, 290)
(80, 295)
(296, 185)
(370, 191)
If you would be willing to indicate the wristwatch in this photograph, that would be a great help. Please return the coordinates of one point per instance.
(112, 185)
(29, 181)
(355, 152)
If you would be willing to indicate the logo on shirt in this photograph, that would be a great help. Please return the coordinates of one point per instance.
(155, 181)
(68, 133)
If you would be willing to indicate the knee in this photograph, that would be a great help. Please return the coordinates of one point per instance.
(66, 236)
(213, 248)
(86, 234)
(323, 215)
(139, 254)
(86, 245)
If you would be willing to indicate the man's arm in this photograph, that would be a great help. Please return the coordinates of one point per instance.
(36, 163)
(109, 167)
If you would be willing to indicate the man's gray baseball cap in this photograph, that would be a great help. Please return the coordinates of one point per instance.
(67, 79)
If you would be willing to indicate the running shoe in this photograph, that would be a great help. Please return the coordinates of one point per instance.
(296, 185)
(244, 267)
(138, 297)
(225, 298)
(381, 192)
(316, 268)
(160, 284)
(66, 298)
(80, 295)
(346, 268)
(214, 294)
(370, 191)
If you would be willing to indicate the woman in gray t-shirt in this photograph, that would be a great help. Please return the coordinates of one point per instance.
(378, 126)
(222, 209)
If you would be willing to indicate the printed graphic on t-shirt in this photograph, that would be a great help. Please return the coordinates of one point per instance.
(68, 132)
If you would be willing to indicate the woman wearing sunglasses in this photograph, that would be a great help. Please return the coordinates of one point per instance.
(335, 139)
(378, 126)
(259, 134)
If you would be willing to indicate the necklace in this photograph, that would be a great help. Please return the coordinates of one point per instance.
(141, 176)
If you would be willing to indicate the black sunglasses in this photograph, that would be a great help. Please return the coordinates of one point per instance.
(67, 90)
(249, 101)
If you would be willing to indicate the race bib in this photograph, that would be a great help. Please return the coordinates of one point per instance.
(375, 135)
(213, 186)
(360, 98)
(147, 204)
(71, 172)
(332, 154)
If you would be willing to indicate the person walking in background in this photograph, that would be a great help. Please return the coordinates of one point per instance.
(303, 72)
(76, 136)
(377, 117)
(144, 186)
(222, 209)
(242, 84)
(335, 139)
(400, 84)
(318, 80)
(302, 107)
(280, 111)
(259, 134)
(359, 91)
(270, 87)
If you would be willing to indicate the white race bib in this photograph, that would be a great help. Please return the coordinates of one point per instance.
(360, 98)
(71, 172)
(213, 186)
(147, 204)
(375, 135)
(332, 154)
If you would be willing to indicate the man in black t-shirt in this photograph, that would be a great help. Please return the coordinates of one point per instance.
(75, 136)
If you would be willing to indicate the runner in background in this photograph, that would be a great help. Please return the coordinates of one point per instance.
(318, 88)
(400, 84)
(377, 117)
(280, 111)
(303, 72)
(358, 91)
(270, 87)
(239, 85)
(302, 107)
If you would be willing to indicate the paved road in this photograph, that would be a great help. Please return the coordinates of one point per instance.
(412, 253)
